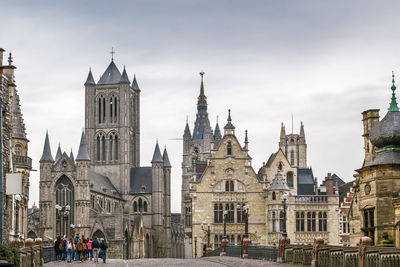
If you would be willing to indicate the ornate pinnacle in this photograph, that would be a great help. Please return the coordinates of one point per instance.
(393, 104)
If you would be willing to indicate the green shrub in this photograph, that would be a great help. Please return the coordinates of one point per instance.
(11, 253)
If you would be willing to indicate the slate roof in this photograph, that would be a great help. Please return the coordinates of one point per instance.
(187, 131)
(217, 132)
(101, 184)
(111, 75)
(344, 189)
(305, 181)
(166, 159)
(278, 183)
(271, 159)
(141, 176)
(89, 79)
(58, 155)
(202, 124)
(336, 181)
(46, 156)
(124, 77)
(83, 152)
(135, 85)
(71, 157)
(157, 155)
(17, 122)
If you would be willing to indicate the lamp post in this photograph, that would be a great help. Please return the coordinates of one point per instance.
(246, 240)
(64, 212)
(195, 246)
(225, 239)
(284, 240)
(208, 231)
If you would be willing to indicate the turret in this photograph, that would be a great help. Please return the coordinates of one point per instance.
(89, 79)
(46, 155)
(202, 124)
(59, 153)
(229, 128)
(71, 156)
(124, 77)
(167, 197)
(217, 132)
(282, 140)
(302, 136)
(157, 196)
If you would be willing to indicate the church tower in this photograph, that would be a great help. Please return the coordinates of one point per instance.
(294, 147)
(112, 125)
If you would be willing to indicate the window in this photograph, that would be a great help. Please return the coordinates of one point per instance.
(103, 144)
(230, 217)
(64, 196)
(98, 148)
(116, 148)
(104, 110)
(101, 147)
(17, 149)
(281, 218)
(16, 218)
(292, 157)
(135, 206)
(345, 226)
(115, 110)
(188, 214)
(218, 213)
(311, 226)
(273, 195)
(108, 206)
(369, 224)
(99, 111)
(92, 201)
(273, 221)
(322, 222)
(144, 206)
(111, 109)
(229, 148)
(111, 147)
(217, 241)
(239, 213)
(289, 179)
(140, 205)
(299, 221)
(229, 186)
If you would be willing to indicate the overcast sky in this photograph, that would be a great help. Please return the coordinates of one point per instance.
(325, 61)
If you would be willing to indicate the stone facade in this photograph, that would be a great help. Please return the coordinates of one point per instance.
(104, 192)
(374, 210)
(15, 155)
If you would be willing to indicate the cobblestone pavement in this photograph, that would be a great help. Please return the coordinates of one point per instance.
(203, 262)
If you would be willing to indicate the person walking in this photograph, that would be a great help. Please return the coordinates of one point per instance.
(70, 249)
(103, 247)
(75, 243)
(90, 249)
(64, 252)
(95, 247)
(80, 248)
(58, 246)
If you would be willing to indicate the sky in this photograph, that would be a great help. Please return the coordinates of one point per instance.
(323, 61)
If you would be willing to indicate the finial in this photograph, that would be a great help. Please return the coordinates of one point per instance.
(112, 53)
(10, 59)
(201, 74)
(187, 119)
(165, 146)
(157, 140)
(393, 104)
(229, 115)
(245, 138)
(217, 119)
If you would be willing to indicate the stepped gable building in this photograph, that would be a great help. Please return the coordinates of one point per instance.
(15, 155)
(197, 148)
(375, 208)
(104, 192)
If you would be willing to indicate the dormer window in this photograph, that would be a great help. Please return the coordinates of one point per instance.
(229, 148)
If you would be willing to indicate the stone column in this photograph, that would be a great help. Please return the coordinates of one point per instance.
(365, 241)
(318, 241)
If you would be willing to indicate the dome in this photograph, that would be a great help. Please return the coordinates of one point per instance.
(387, 131)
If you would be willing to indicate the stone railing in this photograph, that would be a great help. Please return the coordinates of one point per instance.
(311, 199)
(22, 162)
(32, 253)
(325, 255)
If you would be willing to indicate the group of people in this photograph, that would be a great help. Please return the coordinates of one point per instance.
(80, 248)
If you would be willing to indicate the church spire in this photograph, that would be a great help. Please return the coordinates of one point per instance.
(393, 104)
(59, 153)
(187, 130)
(134, 84)
(202, 124)
(157, 155)
(90, 80)
(82, 152)
(124, 77)
(246, 141)
(166, 159)
(46, 156)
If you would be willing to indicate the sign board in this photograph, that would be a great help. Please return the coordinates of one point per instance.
(13, 183)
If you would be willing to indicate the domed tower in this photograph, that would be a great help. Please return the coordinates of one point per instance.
(378, 180)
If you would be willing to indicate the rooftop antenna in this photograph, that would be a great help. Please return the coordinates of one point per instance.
(112, 53)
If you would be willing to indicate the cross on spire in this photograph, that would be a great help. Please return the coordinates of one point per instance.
(393, 104)
(112, 53)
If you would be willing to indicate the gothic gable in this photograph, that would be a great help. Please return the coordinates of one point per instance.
(64, 164)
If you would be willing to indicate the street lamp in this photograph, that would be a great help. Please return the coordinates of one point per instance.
(225, 239)
(284, 240)
(64, 212)
(208, 231)
(246, 240)
(195, 246)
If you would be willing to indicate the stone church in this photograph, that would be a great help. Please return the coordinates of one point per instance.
(103, 191)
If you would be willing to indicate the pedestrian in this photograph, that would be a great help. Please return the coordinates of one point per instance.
(70, 248)
(95, 247)
(75, 243)
(90, 249)
(103, 247)
(64, 253)
(85, 251)
(80, 249)
(58, 246)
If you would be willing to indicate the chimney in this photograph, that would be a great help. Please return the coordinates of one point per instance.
(329, 185)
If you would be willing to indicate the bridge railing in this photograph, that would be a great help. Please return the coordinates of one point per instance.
(254, 252)
(326, 255)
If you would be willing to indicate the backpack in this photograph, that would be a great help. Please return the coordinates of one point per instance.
(69, 246)
(60, 246)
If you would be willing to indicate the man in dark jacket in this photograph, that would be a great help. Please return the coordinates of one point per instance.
(95, 247)
(103, 247)
(58, 246)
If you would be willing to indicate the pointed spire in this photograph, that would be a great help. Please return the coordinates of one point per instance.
(166, 159)
(90, 80)
(71, 156)
(187, 130)
(283, 131)
(46, 156)
(157, 155)
(217, 132)
(202, 84)
(393, 104)
(229, 125)
(278, 183)
(59, 153)
(82, 152)
(246, 141)
(124, 77)
(135, 85)
(111, 75)
(302, 135)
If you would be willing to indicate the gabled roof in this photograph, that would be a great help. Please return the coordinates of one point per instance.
(111, 75)
(46, 156)
(141, 177)
(101, 184)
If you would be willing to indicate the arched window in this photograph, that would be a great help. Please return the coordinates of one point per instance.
(144, 206)
(292, 157)
(281, 218)
(289, 179)
(98, 149)
(64, 197)
(140, 205)
(229, 148)
(273, 195)
(99, 109)
(227, 186)
(115, 109)
(111, 109)
(273, 222)
(116, 143)
(18, 150)
(134, 206)
(104, 110)
(103, 144)
(111, 147)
